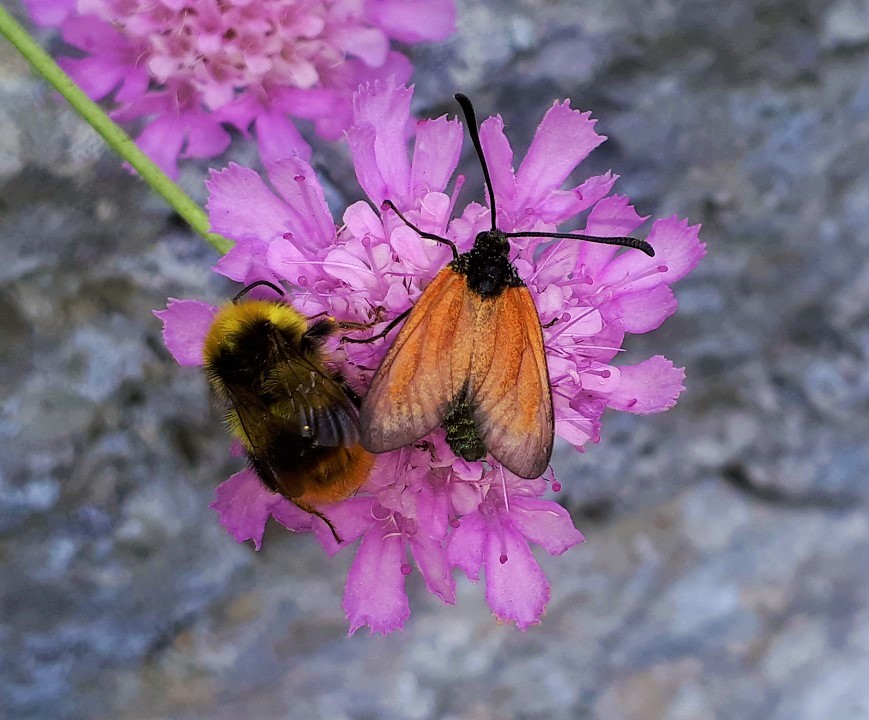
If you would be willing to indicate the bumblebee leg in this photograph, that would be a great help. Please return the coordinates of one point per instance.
(264, 473)
(313, 511)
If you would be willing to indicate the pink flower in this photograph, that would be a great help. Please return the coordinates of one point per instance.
(188, 68)
(494, 535)
(422, 506)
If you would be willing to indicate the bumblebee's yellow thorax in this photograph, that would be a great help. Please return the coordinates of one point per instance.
(233, 318)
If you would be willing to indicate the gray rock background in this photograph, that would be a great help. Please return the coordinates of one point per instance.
(725, 574)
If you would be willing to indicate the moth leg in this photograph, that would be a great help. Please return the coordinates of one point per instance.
(423, 233)
(383, 333)
(348, 325)
(328, 324)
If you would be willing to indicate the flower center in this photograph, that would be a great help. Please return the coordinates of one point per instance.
(220, 47)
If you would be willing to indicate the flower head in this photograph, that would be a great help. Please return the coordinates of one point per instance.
(189, 66)
(422, 506)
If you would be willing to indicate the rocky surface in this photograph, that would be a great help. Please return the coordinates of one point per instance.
(725, 573)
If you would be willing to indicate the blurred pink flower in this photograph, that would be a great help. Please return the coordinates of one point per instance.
(421, 504)
(189, 67)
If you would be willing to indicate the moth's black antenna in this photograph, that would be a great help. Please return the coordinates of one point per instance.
(245, 290)
(629, 242)
(473, 131)
(471, 118)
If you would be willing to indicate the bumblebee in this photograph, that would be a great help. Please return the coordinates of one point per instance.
(297, 420)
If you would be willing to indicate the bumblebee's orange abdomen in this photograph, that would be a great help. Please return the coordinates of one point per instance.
(335, 475)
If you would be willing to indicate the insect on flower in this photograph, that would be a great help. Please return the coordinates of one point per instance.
(470, 355)
(297, 420)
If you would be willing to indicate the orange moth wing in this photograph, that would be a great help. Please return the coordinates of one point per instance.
(509, 384)
(423, 370)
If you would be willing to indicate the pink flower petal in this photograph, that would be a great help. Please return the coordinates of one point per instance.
(362, 221)
(499, 158)
(432, 507)
(352, 518)
(613, 216)
(374, 594)
(595, 189)
(413, 21)
(308, 103)
(247, 262)
(648, 387)
(293, 518)
(550, 302)
(370, 45)
(91, 35)
(151, 103)
(556, 263)
(564, 138)
(516, 590)
(573, 432)
(677, 251)
(415, 252)
(162, 140)
(465, 545)
(562, 205)
(545, 523)
(436, 154)
(244, 505)
(432, 561)
(278, 138)
(377, 141)
(296, 181)
(291, 263)
(241, 112)
(240, 205)
(644, 310)
(600, 378)
(334, 125)
(96, 75)
(49, 13)
(361, 141)
(241, 259)
(397, 299)
(185, 325)
(351, 269)
(396, 70)
(434, 216)
(205, 137)
(134, 86)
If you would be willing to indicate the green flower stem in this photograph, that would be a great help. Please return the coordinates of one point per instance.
(117, 139)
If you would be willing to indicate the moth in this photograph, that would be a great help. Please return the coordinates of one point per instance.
(470, 355)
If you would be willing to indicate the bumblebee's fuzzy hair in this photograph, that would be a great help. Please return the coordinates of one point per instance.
(296, 419)
(233, 321)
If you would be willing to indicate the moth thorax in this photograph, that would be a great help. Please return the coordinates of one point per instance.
(492, 242)
(487, 265)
